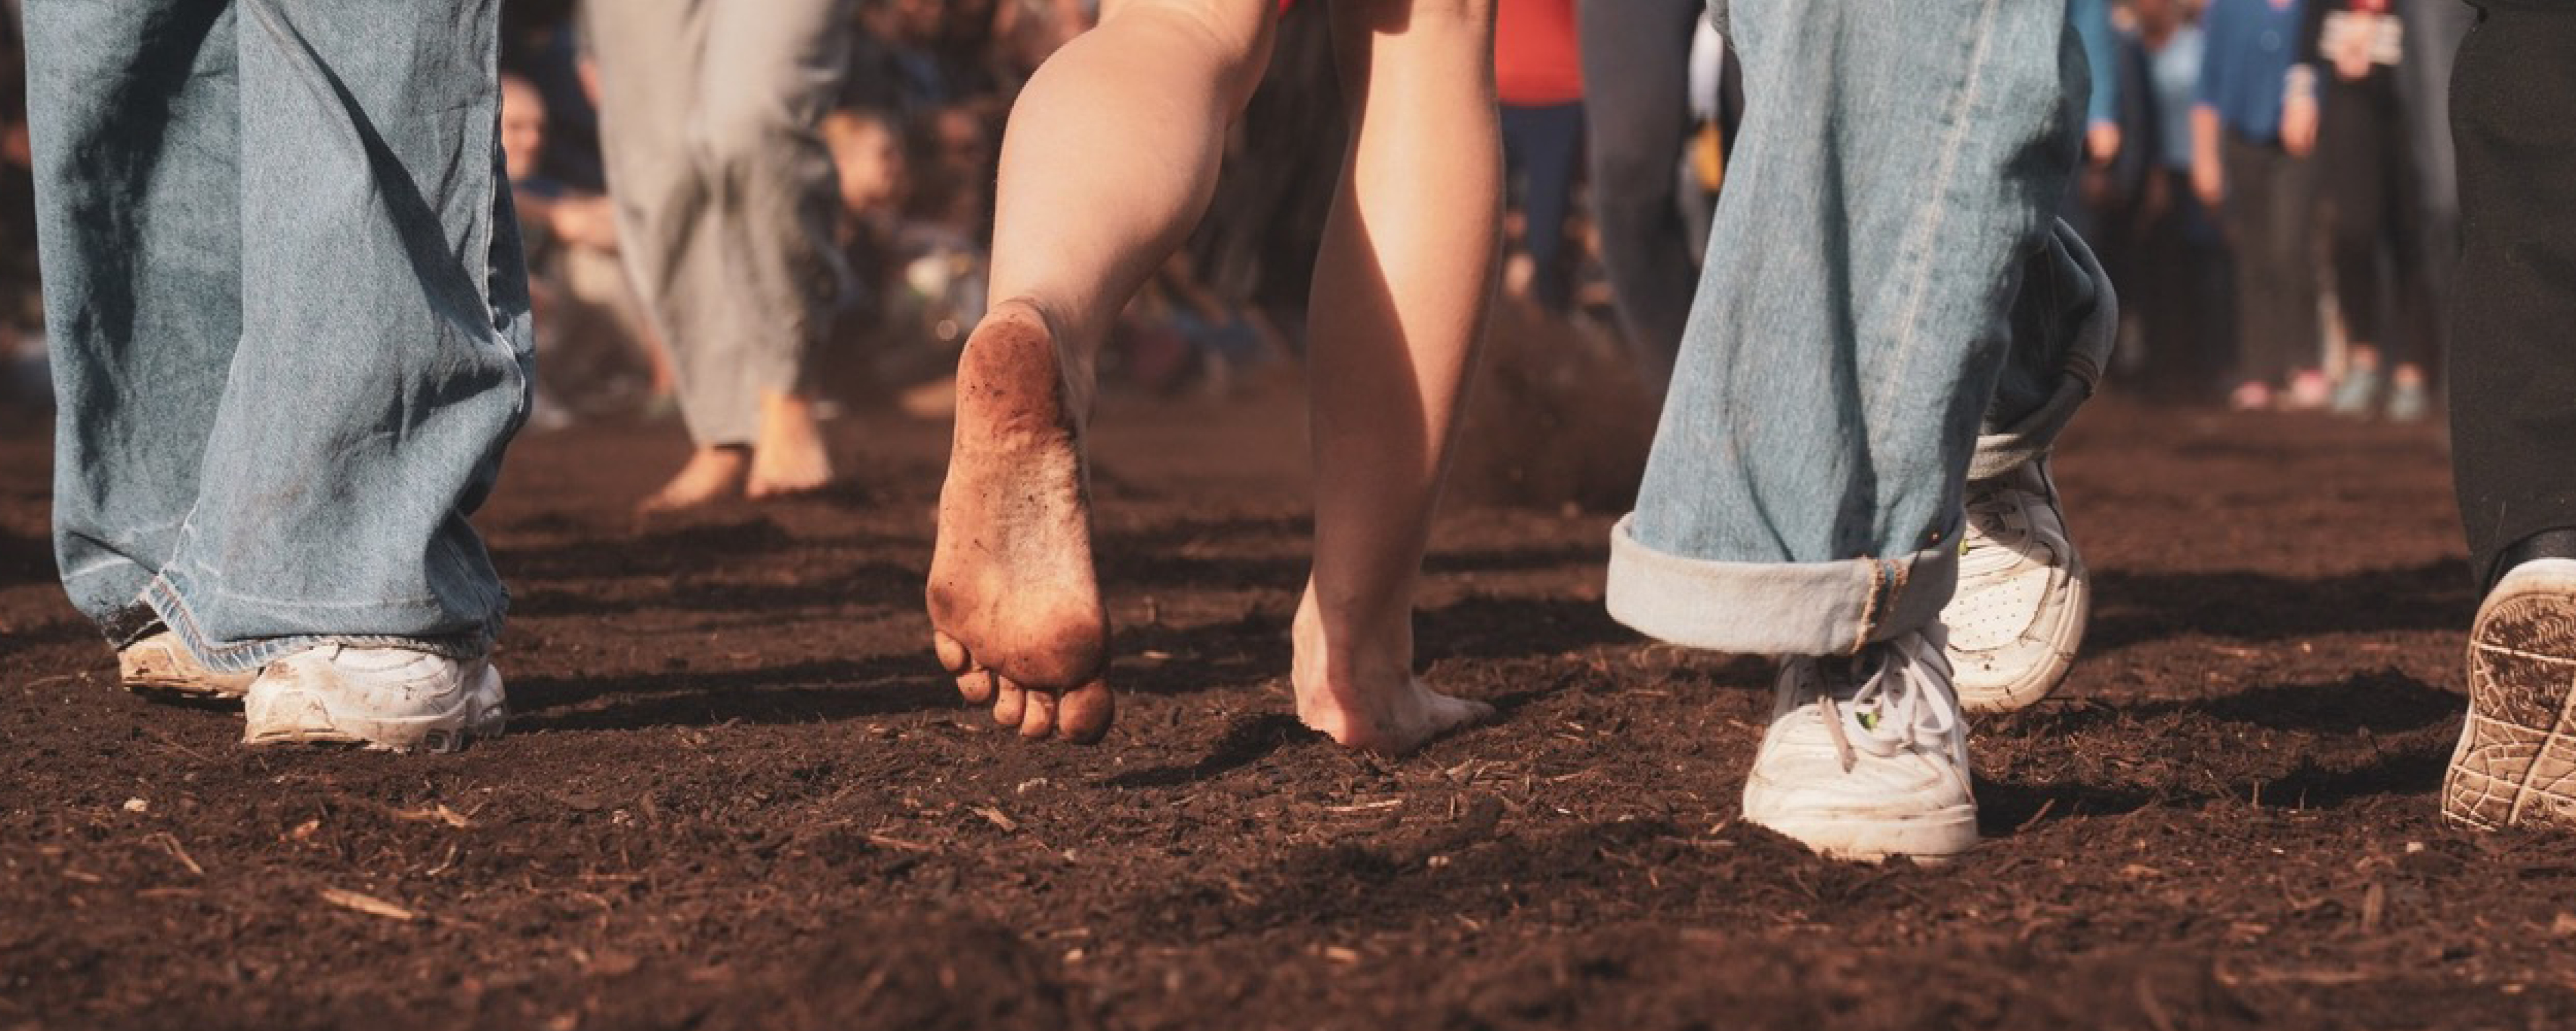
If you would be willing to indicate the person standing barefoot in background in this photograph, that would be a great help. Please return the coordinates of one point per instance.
(1109, 161)
(711, 121)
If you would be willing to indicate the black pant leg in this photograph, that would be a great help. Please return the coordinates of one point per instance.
(2513, 347)
(2353, 148)
(1636, 57)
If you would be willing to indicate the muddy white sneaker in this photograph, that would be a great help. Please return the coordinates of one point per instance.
(2023, 594)
(1867, 757)
(389, 699)
(159, 666)
(2516, 762)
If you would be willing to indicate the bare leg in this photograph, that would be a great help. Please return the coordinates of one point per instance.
(1109, 160)
(1401, 289)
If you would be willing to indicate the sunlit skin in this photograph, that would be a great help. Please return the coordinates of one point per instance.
(1109, 160)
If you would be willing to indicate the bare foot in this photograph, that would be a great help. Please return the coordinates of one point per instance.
(713, 474)
(1364, 695)
(1013, 602)
(790, 457)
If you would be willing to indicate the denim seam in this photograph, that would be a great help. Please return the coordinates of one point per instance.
(132, 535)
(164, 598)
(209, 572)
(105, 565)
(1927, 229)
(1888, 585)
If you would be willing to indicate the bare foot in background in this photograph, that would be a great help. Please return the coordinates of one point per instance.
(713, 474)
(1014, 603)
(791, 457)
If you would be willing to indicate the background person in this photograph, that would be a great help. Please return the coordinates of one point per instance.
(1538, 74)
(710, 120)
(1636, 75)
(2348, 85)
(2246, 165)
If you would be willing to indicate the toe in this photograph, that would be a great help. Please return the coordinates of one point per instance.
(952, 653)
(1010, 702)
(976, 686)
(1040, 720)
(1087, 712)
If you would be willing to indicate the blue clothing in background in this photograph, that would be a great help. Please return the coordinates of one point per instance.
(2247, 49)
(2092, 20)
(2176, 72)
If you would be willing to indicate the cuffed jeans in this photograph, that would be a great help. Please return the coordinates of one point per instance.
(288, 317)
(1885, 278)
(711, 121)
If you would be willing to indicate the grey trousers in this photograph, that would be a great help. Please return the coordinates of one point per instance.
(710, 121)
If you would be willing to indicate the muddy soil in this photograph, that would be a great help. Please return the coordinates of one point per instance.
(738, 794)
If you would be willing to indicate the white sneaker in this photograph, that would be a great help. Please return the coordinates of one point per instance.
(2516, 761)
(1867, 757)
(160, 666)
(390, 699)
(2023, 594)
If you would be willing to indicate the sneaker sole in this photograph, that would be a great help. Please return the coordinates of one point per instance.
(482, 714)
(2516, 761)
(1930, 838)
(2063, 641)
(165, 689)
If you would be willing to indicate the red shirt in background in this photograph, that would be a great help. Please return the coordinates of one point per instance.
(1535, 58)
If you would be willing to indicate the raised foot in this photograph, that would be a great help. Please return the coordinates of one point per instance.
(713, 474)
(790, 457)
(1013, 600)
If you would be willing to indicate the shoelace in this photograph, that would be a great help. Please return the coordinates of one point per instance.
(1893, 693)
(1995, 544)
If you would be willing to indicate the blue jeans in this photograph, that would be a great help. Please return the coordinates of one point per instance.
(288, 317)
(1884, 282)
(1541, 144)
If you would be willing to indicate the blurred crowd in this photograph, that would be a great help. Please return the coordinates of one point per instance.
(2269, 182)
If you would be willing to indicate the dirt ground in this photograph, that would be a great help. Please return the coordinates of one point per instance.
(737, 793)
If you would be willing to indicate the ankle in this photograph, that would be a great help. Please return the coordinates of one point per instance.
(1340, 658)
(1073, 342)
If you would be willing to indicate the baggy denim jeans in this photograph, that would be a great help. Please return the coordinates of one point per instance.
(727, 202)
(288, 317)
(1884, 280)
